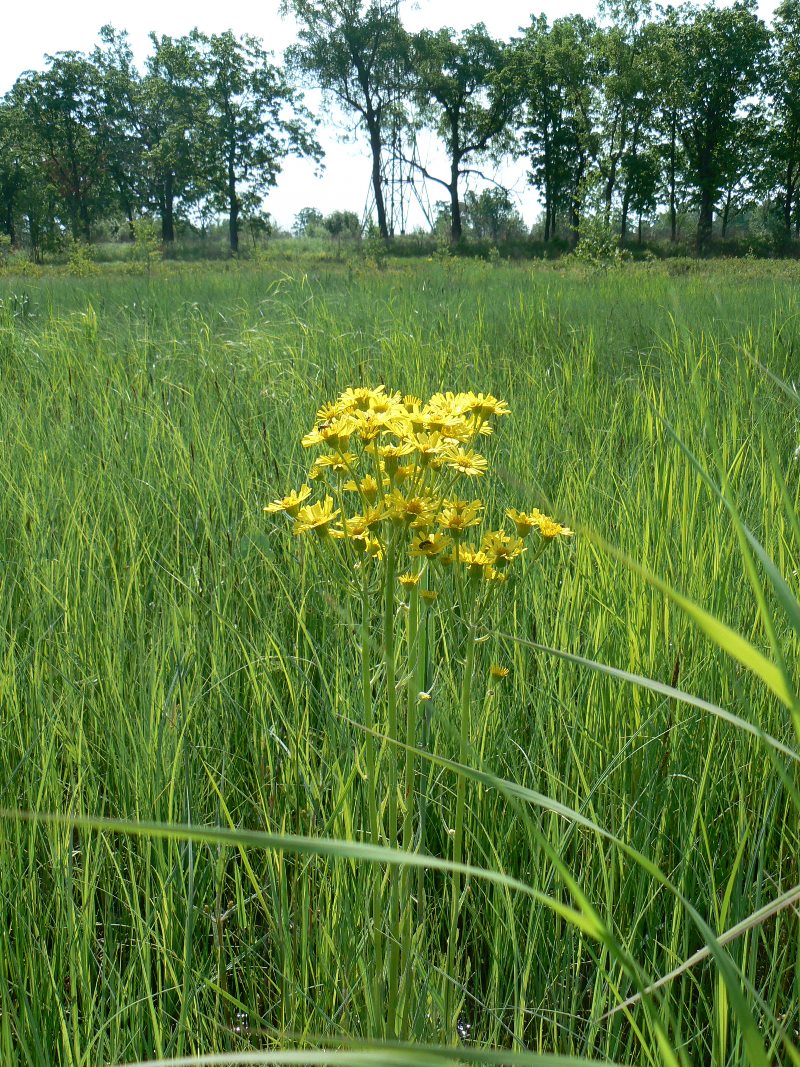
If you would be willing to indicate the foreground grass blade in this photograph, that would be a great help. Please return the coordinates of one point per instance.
(785, 900)
(714, 944)
(719, 632)
(389, 1055)
(307, 846)
(662, 689)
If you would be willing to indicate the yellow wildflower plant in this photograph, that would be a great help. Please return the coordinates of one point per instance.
(391, 520)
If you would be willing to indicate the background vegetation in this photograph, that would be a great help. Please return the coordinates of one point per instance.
(632, 123)
(166, 655)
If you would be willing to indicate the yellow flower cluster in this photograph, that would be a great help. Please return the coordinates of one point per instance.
(392, 467)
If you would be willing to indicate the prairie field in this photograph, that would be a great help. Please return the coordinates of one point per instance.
(175, 662)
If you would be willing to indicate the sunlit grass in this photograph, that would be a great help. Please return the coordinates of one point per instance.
(167, 656)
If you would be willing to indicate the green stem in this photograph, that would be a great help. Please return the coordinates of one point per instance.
(451, 1019)
(372, 794)
(413, 633)
(391, 755)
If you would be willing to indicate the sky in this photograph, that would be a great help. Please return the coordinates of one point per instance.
(32, 30)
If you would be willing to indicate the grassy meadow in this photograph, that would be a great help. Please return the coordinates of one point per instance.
(171, 655)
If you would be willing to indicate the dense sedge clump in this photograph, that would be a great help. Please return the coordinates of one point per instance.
(393, 470)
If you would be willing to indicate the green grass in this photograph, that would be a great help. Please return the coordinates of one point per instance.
(167, 655)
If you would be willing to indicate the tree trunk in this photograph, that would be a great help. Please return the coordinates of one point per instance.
(626, 206)
(705, 223)
(168, 209)
(8, 220)
(576, 203)
(640, 229)
(456, 227)
(609, 190)
(726, 214)
(377, 178)
(233, 208)
(789, 199)
(86, 225)
(547, 217)
(673, 208)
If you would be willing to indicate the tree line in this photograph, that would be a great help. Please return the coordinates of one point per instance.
(685, 108)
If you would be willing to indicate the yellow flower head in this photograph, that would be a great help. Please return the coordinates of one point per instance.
(471, 464)
(358, 525)
(502, 548)
(498, 672)
(367, 487)
(418, 511)
(370, 425)
(360, 398)
(335, 433)
(404, 472)
(429, 545)
(484, 405)
(329, 411)
(373, 547)
(339, 464)
(449, 405)
(409, 580)
(428, 446)
(317, 517)
(457, 516)
(396, 451)
(291, 503)
(524, 521)
(392, 454)
(386, 403)
(428, 595)
(549, 529)
(474, 559)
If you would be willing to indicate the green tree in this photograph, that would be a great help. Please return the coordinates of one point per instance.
(253, 121)
(356, 52)
(342, 224)
(14, 175)
(550, 71)
(641, 176)
(120, 88)
(720, 55)
(307, 222)
(172, 108)
(460, 96)
(492, 214)
(66, 130)
(627, 93)
(783, 115)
